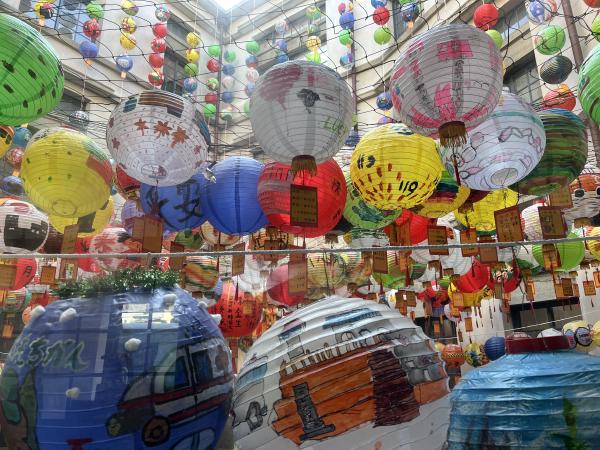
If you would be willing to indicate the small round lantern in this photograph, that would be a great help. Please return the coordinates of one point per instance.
(542, 11)
(158, 137)
(453, 355)
(485, 16)
(326, 270)
(66, 173)
(481, 214)
(12, 186)
(447, 196)
(556, 69)
(25, 269)
(579, 331)
(201, 273)
(530, 219)
(394, 168)
(570, 253)
(474, 356)
(560, 97)
(6, 139)
(89, 225)
(115, 240)
(278, 288)
(429, 70)
(474, 280)
(230, 204)
(240, 312)
(585, 194)
(362, 215)
(550, 40)
(494, 347)
(24, 229)
(214, 237)
(301, 113)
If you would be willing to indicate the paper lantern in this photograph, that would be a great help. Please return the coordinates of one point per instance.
(190, 239)
(579, 331)
(240, 312)
(417, 225)
(33, 79)
(278, 287)
(541, 11)
(570, 253)
(485, 16)
(396, 278)
(65, 173)
(564, 156)
(158, 137)
(326, 270)
(474, 280)
(453, 355)
(562, 383)
(89, 225)
(6, 139)
(496, 37)
(301, 113)
(274, 192)
(12, 186)
(361, 214)
(481, 215)
(556, 69)
(380, 392)
(500, 151)
(231, 204)
(115, 240)
(469, 299)
(214, 237)
(447, 196)
(474, 356)
(201, 273)
(82, 245)
(425, 80)
(454, 260)
(394, 168)
(187, 362)
(358, 269)
(550, 40)
(495, 347)
(530, 220)
(23, 229)
(361, 238)
(561, 97)
(25, 271)
(588, 87)
(594, 246)
(506, 276)
(585, 194)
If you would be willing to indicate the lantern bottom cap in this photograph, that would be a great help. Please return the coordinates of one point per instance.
(453, 134)
(304, 163)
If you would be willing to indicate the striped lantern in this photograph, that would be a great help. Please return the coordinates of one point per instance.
(301, 113)
(89, 225)
(24, 228)
(214, 237)
(585, 193)
(394, 168)
(564, 156)
(358, 269)
(361, 238)
(362, 215)
(447, 196)
(326, 271)
(159, 138)
(447, 81)
(550, 40)
(588, 84)
(481, 215)
(556, 69)
(570, 253)
(530, 219)
(500, 151)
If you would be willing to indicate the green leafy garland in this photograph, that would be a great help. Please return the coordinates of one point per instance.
(116, 282)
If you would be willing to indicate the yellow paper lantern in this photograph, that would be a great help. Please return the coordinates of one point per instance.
(192, 55)
(594, 246)
(193, 39)
(394, 168)
(468, 298)
(127, 41)
(313, 43)
(89, 225)
(448, 196)
(480, 215)
(6, 139)
(65, 173)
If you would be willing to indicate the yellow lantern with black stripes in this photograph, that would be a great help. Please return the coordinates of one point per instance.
(89, 225)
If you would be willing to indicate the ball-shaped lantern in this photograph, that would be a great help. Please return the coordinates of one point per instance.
(361, 214)
(564, 156)
(495, 347)
(66, 173)
(279, 290)
(541, 11)
(446, 81)
(502, 150)
(301, 113)
(23, 228)
(214, 237)
(530, 219)
(230, 204)
(485, 16)
(186, 361)
(240, 311)
(474, 280)
(453, 355)
(570, 253)
(32, 74)
(480, 215)
(594, 246)
(178, 206)
(158, 137)
(326, 270)
(447, 196)
(358, 269)
(588, 86)
(585, 194)
(359, 237)
(89, 225)
(127, 186)
(190, 239)
(579, 331)
(564, 388)
(12, 186)
(394, 168)
(308, 353)
(550, 40)
(556, 69)
(201, 273)
(560, 97)
(274, 195)
(115, 240)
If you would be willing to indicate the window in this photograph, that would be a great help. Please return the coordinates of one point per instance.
(69, 17)
(397, 22)
(524, 81)
(202, 366)
(177, 376)
(173, 72)
(255, 375)
(511, 22)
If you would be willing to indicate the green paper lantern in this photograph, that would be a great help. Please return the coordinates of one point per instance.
(550, 40)
(314, 57)
(94, 10)
(564, 156)
(395, 278)
(246, 107)
(589, 84)
(382, 35)
(496, 37)
(345, 37)
(313, 12)
(32, 76)
(229, 56)
(252, 47)
(570, 253)
(313, 28)
(191, 69)
(209, 110)
(363, 215)
(213, 51)
(212, 84)
(596, 28)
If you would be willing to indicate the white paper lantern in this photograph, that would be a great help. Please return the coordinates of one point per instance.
(158, 137)
(531, 222)
(23, 228)
(361, 238)
(342, 373)
(585, 193)
(502, 150)
(446, 81)
(301, 113)
(454, 260)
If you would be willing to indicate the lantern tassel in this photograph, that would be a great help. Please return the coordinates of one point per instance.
(304, 163)
(453, 134)
(456, 174)
(331, 238)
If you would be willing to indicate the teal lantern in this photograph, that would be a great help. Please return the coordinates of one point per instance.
(550, 40)
(32, 79)
(589, 84)
(363, 215)
(570, 254)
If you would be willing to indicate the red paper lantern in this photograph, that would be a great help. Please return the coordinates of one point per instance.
(509, 277)
(158, 45)
(240, 314)
(156, 60)
(156, 78)
(26, 268)
(160, 30)
(453, 355)
(91, 28)
(278, 287)
(485, 16)
(560, 97)
(211, 97)
(435, 294)
(592, 3)
(213, 65)
(475, 279)
(274, 186)
(418, 225)
(127, 186)
(381, 16)
(82, 245)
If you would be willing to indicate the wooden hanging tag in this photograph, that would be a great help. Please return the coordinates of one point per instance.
(589, 288)
(551, 257)
(427, 309)
(380, 262)
(437, 235)
(137, 233)
(411, 299)
(68, 269)
(403, 261)
(596, 274)
(582, 222)
(238, 262)
(436, 265)
(567, 287)
(469, 236)
(498, 290)
(153, 233)
(488, 255)
(400, 295)
(297, 274)
(436, 329)
(454, 310)
(426, 284)
(8, 274)
(272, 244)
(561, 198)
(530, 290)
(48, 275)
(176, 262)
(182, 278)
(69, 241)
(392, 232)
(558, 290)
(468, 324)
(508, 225)
(552, 223)
(304, 206)
(402, 308)
(372, 296)
(575, 289)
(412, 315)
(458, 300)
